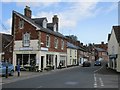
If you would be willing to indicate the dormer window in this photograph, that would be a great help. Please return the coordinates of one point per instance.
(44, 23)
(55, 27)
(26, 40)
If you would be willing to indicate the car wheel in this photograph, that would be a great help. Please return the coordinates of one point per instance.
(11, 73)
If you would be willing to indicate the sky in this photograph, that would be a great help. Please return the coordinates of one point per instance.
(90, 21)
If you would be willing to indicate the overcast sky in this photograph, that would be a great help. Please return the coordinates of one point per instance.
(89, 21)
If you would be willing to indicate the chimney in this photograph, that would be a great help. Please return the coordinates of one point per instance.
(55, 21)
(27, 12)
(102, 43)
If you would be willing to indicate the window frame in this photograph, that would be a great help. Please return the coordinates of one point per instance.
(21, 24)
(26, 39)
(62, 44)
(47, 41)
(56, 43)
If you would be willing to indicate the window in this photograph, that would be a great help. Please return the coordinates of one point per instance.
(62, 44)
(55, 28)
(44, 23)
(21, 24)
(47, 41)
(26, 40)
(56, 43)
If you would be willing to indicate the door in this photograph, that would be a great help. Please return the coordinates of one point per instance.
(42, 58)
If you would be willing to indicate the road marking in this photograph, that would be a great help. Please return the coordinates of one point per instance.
(101, 82)
(98, 69)
(95, 81)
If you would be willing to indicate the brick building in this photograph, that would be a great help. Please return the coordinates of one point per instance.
(37, 42)
(6, 47)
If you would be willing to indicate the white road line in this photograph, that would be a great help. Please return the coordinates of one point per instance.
(95, 81)
(101, 82)
(98, 69)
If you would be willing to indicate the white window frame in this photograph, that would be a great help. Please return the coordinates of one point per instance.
(62, 44)
(56, 43)
(55, 27)
(21, 24)
(47, 41)
(26, 40)
(44, 23)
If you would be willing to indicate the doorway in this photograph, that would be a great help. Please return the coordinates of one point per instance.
(42, 58)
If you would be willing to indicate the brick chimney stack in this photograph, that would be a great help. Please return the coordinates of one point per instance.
(55, 20)
(27, 12)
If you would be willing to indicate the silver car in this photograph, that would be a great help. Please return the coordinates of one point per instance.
(3, 69)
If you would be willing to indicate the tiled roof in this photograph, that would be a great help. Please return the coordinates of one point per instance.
(117, 32)
(47, 30)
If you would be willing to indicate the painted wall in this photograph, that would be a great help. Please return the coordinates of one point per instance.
(71, 55)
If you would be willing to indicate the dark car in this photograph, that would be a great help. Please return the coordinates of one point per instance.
(3, 68)
(97, 63)
(86, 64)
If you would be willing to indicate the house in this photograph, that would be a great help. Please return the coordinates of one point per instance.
(71, 54)
(114, 48)
(100, 51)
(6, 44)
(82, 53)
(37, 42)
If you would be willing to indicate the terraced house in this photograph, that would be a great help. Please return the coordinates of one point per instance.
(114, 48)
(37, 42)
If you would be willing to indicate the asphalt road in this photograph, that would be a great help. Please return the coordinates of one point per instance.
(77, 77)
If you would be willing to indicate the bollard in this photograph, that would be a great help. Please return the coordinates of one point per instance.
(6, 71)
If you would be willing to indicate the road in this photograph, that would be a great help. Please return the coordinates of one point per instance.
(77, 77)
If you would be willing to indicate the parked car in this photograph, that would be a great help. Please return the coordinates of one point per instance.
(86, 64)
(97, 63)
(3, 68)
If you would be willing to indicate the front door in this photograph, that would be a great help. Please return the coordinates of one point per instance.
(42, 58)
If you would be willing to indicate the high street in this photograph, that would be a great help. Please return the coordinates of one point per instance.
(75, 77)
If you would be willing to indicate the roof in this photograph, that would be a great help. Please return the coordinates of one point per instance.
(7, 37)
(50, 25)
(100, 49)
(117, 32)
(109, 36)
(70, 45)
(39, 21)
(38, 27)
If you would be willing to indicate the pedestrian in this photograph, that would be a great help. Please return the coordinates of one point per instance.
(18, 70)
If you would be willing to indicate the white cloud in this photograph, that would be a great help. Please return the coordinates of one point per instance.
(112, 7)
(70, 17)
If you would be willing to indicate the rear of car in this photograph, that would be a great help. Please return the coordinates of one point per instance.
(86, 64)
(3, 66)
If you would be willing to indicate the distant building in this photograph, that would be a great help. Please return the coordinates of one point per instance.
(114, 48)
(101, 51)
(6, 47)
(71, 54)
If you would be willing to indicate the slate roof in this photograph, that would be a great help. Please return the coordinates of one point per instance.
(50, 26)
(70, 45)
(46, 30)
(117, 32)
(100, 49)
(39, 21)
(109, 36)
